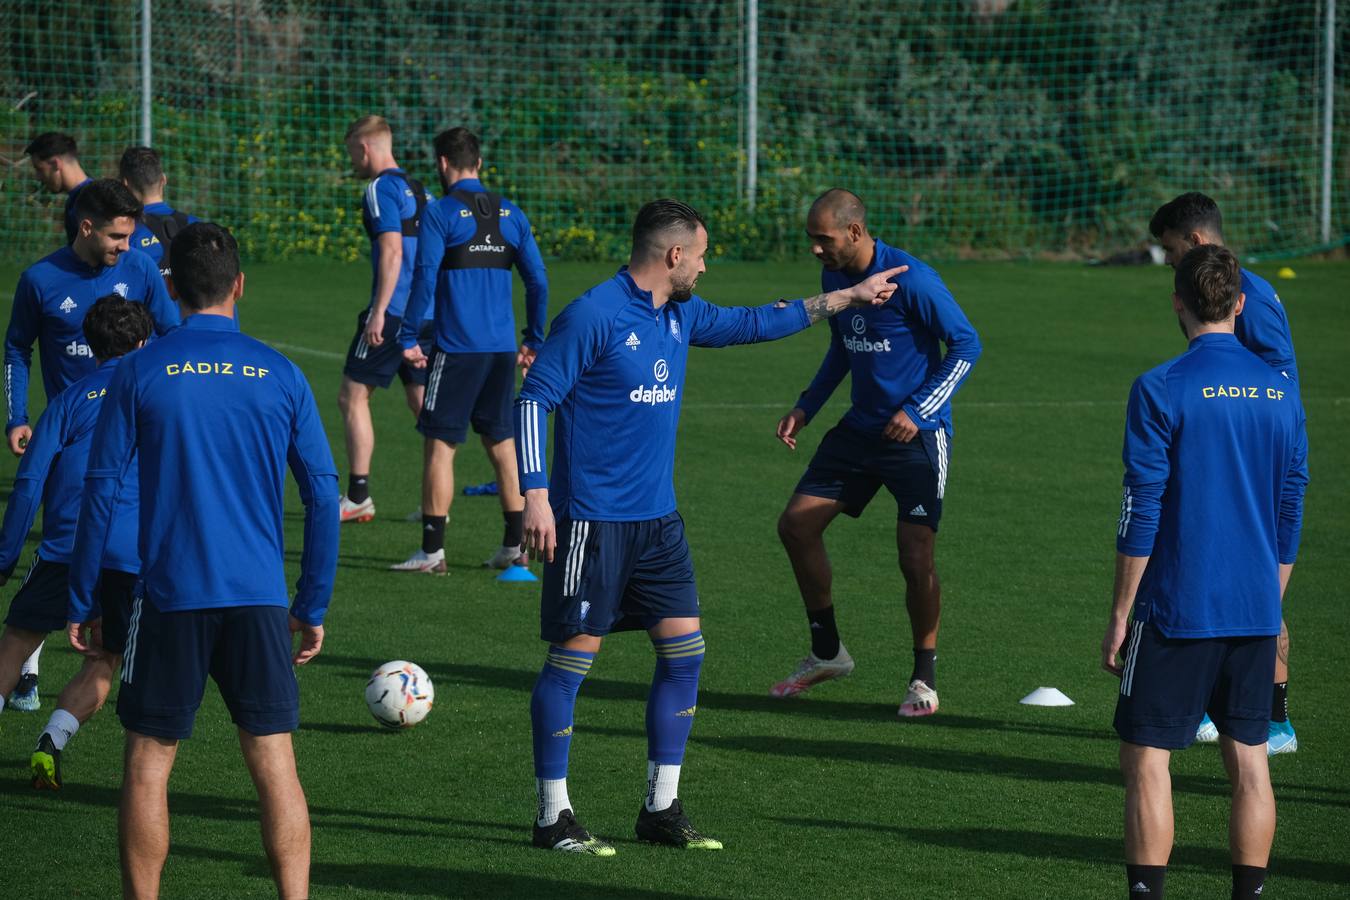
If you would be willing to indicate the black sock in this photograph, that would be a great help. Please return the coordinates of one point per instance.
(515, 528)
(925, 667)
(824, 636)
(1248, 882)
(1279, 704)
(358, 488)
(433, 533)
(1145, 881)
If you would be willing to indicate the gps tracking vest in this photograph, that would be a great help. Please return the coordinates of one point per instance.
(165, 229)
(409, 226)
(487, 249)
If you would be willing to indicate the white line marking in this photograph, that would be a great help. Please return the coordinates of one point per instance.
(992, 404)
(309, 351)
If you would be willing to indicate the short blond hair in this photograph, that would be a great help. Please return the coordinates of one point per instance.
(369, 126)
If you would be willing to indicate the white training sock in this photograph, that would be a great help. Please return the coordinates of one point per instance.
(663, 785)
(30, 665)
(62, 727)
(552, 800)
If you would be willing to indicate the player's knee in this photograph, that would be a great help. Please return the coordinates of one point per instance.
(916, 561)
(794, 529)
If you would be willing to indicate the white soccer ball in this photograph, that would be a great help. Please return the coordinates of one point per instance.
(399, 694)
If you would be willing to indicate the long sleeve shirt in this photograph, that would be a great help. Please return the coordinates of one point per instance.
(1216, 466)
(51, 473)
(49, 308)
(894, 351)
(613, 371)
(212, 419)
(1263, 326)
(473, 310)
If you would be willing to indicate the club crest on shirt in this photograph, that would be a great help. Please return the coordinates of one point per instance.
(121, 289)
(675, 330)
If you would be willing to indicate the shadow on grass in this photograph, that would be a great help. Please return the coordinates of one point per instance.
(385, 877)
(1095, 850)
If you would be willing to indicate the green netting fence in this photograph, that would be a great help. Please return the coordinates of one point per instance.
(983, 128)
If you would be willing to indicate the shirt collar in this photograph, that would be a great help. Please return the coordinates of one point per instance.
(469, 184)
(1214, 337)
(159, 208)
(110, 363)
(210, 322)
(641, 297)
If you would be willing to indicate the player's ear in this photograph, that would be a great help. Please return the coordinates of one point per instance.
(237, 290)
(1242, 301)
(1177, 305)
(1195, 239)
(673, 256)
(168, 283)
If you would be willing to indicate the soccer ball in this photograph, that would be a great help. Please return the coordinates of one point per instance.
(399, 694)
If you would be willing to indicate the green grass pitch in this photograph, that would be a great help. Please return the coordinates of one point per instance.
(828, 795)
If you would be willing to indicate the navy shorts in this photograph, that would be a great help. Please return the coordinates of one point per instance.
(466, 389)
(43, 599)
(116, 592)
(1169, 684)
(616, 576)
(376, 366)
(245, 649)
(850, 466)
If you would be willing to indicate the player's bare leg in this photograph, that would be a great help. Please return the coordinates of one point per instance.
(85, 694)
(143, 816)
(16, 645)
(1251, 825)
(438, 477)
(1148, 804)
(414, 394)
(438, 490)
(354, 402)
(82, 696)
(282, 810)
(923, 592)
(801, 528)
(502, 455)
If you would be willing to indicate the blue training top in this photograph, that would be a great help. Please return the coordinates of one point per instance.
(1263, 327)
(894, 351)
(473, 310)
(613, 370)
(1216, 463)
(387, 203)
(49, 307)
(52, 470)
(213, 418)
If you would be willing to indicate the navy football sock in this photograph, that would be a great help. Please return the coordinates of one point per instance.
(1279, 703)
(824, 634)
(358, 488)
(925, 667)
(515, 528)
(433, 534)
(1146, 882)
(551, 706)
(1248, 882)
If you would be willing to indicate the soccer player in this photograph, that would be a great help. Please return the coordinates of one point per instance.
(56, 160)
(1180, 225)
(211, 419)
(49, 306)
(897, 433)
(1215, 459)
(52, 473)
(141, 170)
(390, 211)
(468, 242)
(54, 294)
(605, 524)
